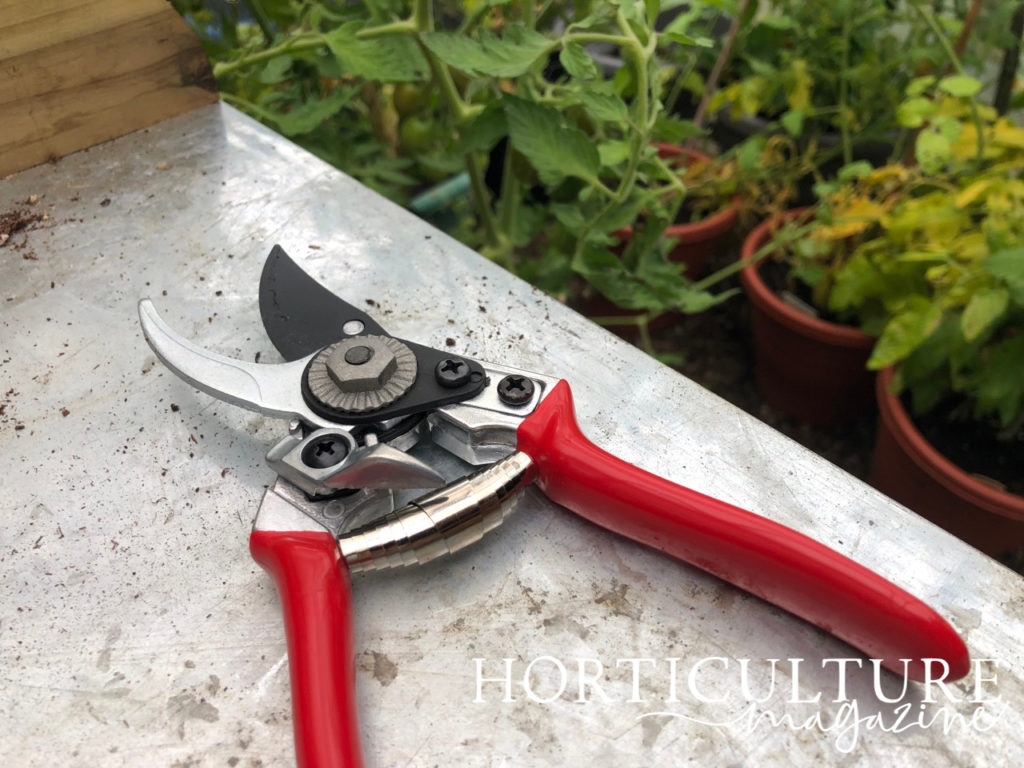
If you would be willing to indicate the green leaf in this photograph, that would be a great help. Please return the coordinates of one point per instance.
(913, 112)
(683, 39)
(526, 224)
(508, 56)
(854, 170)
(919, 85)
(484, 131)
(748, 154)
(793, 122)
(657, 285)
(570, 216)
(932, 354)
(577, 63)
(625, 213)
(1008, 266)
(932, 151)
(960, 86)
(276, 70)
(308, 115)
(602, 14)
(613, 152)
(553, 147)
(906, 331)
(777, 22)
(653, 8)
(673, 130)
(986, 306)
(603, 106)
(999, 386)
(393, 59)
(673, 359)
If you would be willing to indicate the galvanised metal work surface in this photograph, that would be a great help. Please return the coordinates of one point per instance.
(135, 628)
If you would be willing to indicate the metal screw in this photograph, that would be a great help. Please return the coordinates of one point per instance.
(325, 451)
(515, 390)
(358, 355)
(452, 372)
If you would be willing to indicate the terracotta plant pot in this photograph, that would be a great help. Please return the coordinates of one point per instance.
(806, 368)
(907, 468)
(697, 241)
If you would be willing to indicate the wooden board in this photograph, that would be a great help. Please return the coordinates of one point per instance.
(74, 73)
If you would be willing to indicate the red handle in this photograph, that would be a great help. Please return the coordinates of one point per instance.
(769, 560)
(313, 583)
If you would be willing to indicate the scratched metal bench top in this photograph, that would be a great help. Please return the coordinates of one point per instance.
(136, 630)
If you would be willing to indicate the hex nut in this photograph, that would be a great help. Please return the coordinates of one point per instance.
(369, 375)
(382, 378)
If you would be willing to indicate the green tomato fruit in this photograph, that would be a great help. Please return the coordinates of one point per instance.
(417, 135)
(409, 99)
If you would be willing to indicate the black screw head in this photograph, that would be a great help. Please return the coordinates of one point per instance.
(358, 355)
(452, 372)
(515, 390)
(325, 451)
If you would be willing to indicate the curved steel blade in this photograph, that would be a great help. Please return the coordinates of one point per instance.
(300, 315)
(274, 390)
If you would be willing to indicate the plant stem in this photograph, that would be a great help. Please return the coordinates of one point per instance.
(736, 266)
(1011, 59)
(470, 22)
(954, 61)
(262, 20)
(598, 37)
(482, 198)
(423, 15)
(403, 27)
(304, 42)
(719, 66)
(508, 200)
(965, 32)
(423, 21)
(526, 9)
(844, 87)
(637, 56)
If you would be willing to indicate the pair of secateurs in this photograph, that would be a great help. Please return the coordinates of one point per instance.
(360, 401)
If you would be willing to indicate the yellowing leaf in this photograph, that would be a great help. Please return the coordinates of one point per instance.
(886, 173)
(799, 93)
(840, 231)
(970, 246)
(972, 192)
(923, 256)
(1008, 135)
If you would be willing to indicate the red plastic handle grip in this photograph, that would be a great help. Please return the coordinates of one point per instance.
(313, 583)
(762, 557)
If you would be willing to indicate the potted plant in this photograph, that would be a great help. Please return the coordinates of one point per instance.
(928, 261)
(946, 267)
(804, 301)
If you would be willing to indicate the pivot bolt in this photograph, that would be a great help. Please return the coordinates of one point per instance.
(362, 364)
(515, 390)
(325, 451)
(358, 355)
(452, 372)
